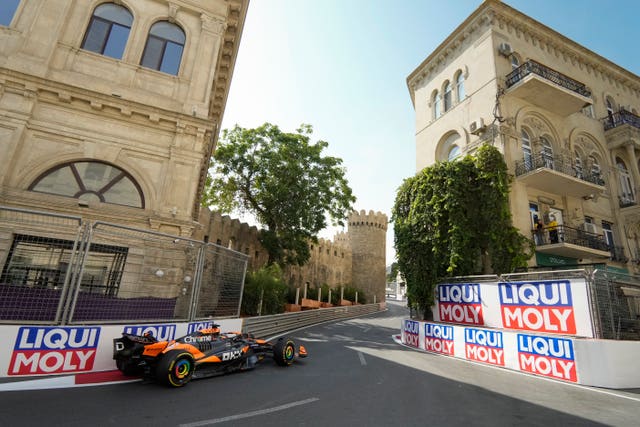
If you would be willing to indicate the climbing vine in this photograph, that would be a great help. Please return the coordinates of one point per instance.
(453, 219)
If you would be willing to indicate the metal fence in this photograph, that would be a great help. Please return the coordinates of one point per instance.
(273, 325)
(59, 269)
(614, 298)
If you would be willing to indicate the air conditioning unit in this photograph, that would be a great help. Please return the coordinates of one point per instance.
(590, 227)
(505, 49)
(476, 127)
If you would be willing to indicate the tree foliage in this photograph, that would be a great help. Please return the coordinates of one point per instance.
(393, 272)
(267, 286)
(284, 181)
(453, 219)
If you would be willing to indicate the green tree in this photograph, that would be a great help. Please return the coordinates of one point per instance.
(393, 272)
(264, 285)
(453, 219)
(285, 182)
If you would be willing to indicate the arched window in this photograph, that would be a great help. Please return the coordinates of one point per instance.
(454, 153)
(91, 182)
(163, 51)
(626, 187)
(526, 151)
(108, 30)
(447, 96)
(460, 87)
(547, 152)
(449, 148)
(7, 11)
(436, 105)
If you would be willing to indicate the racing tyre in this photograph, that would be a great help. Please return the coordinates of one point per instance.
(284, 351)
(175, 368)
(127, 367)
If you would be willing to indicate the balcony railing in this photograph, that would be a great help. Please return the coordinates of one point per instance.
(617, 254)
(622, 117)
(556, 163)
(533, 67)
(564, 234)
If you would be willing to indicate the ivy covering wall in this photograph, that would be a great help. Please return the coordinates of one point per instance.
(453, 219)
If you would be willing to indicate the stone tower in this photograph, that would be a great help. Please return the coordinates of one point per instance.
(367, 236)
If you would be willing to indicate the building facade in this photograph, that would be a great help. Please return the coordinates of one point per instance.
(112, 109)
(109, 113)
(565, 119)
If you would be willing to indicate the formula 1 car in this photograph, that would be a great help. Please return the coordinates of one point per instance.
(200, 354)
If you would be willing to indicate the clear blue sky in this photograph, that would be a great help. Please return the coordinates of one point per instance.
(341, 66)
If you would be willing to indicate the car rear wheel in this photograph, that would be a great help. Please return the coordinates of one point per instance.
(175, 368)
(284, 351)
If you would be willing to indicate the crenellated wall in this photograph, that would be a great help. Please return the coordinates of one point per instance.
(355, 257)
(367, 236)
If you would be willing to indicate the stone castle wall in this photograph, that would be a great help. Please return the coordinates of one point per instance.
(355, 257)
(367, 236)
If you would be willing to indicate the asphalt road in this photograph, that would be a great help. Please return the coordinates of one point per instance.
(356, 375)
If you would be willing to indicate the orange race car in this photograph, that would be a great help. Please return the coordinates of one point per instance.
(200, 354)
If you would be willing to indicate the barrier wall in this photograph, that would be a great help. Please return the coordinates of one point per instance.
(52, 350)
(540, 327)
(593, 362)
(545, 306)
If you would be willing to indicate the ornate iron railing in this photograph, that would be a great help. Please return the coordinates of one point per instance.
(547, 73)
(617, 254)
(622, 117)
(564, 234)
(557, 163)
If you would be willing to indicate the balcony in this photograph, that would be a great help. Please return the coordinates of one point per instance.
(617, 254)
(621, 118)
(571, 242)
(552, 173)
(548, 88)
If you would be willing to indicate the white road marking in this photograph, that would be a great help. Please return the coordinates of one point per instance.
(249, 414)
(312, 340)
(363, 362)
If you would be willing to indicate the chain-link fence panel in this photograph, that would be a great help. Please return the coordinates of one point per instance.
(616, 302)
(129, 274)
(222, 282)
(37, 252)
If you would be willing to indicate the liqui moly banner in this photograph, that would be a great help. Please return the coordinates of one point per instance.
(549, 356)
(411, 333)
(439, 338)
(484, 345)
(545, 306)
(460, 303)
(53, 350)
(159, 332)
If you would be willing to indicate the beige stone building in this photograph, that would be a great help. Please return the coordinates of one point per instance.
(111, 110)
(565, 118)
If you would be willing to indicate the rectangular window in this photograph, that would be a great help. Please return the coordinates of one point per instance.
(42, 262)
(117, 41)
(153, 53)
(171, 58)
(7, 11)
(96, 36)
